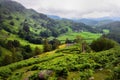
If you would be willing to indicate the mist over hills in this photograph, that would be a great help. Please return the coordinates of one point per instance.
(90, 21)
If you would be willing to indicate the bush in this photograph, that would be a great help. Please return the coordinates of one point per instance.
(62, 73)
(12, 23)
(10, 18)
(5, 72)
(102, 44)
(86, 74)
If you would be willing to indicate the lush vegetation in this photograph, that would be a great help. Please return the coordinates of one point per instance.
(62, 63)
(36, 47)
(114, 30)
(24, 32)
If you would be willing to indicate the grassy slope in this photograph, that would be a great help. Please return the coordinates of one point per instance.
(53, 59)
(23, 42)
(102, 75)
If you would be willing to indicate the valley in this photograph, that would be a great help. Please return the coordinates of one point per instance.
(37, 46)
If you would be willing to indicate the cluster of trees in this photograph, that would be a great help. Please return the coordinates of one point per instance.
(51, 45)
(17, 52)
(102, 44)
(27, 35)
(52, 32)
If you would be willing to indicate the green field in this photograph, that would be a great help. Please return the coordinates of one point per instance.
(106, 31)
(84, 35)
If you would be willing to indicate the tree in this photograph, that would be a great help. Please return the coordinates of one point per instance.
(17, 18)
(16, 43)
(0, 51)
(68, 41)
(7, 59)
(18, 56)
(55, 33)
(26, 27)
(78, 39)
(12, 23)
(10, 44)
(28, 48)
(37, 51)
(55, 43)
(46, 33)
(102, 44)
(10, 18)
(13, 54)
(27, 52)
(13, 44)
(47, 46)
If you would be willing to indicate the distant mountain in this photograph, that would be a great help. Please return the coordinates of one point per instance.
(103, 22)
(97, 21)
(86, 21)
(54, 17)
(110, 23)
(94, 22)
(107, 18)
(114, 28)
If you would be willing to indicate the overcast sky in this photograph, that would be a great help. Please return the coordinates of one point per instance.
(75, 8)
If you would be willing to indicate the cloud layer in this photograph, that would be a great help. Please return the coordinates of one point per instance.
(75, 8)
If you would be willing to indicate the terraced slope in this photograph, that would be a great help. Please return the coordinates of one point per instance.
(62, 66)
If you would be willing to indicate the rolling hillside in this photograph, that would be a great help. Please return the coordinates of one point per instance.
(114, 30)
(34, 46)
(14, 17)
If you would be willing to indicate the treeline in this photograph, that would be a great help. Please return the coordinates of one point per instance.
(18, 52)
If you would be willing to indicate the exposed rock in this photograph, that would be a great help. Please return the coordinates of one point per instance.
(91, 78)
(44, 74)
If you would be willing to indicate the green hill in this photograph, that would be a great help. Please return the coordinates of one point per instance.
(65, 63)
(23, 31)
(31, 47)
(14, 16)
(114, 30)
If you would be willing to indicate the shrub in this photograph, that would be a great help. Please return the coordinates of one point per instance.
(10, 18)
(102, 44)
(12, 23)
(5, 72)
(63, 72)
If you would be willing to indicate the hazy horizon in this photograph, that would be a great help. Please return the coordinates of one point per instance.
(75, 8)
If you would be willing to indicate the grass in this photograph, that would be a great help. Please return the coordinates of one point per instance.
(4, 52)
(101, 75)
(106, 31)
(73, 75)
(85, 35)
(23, 42)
